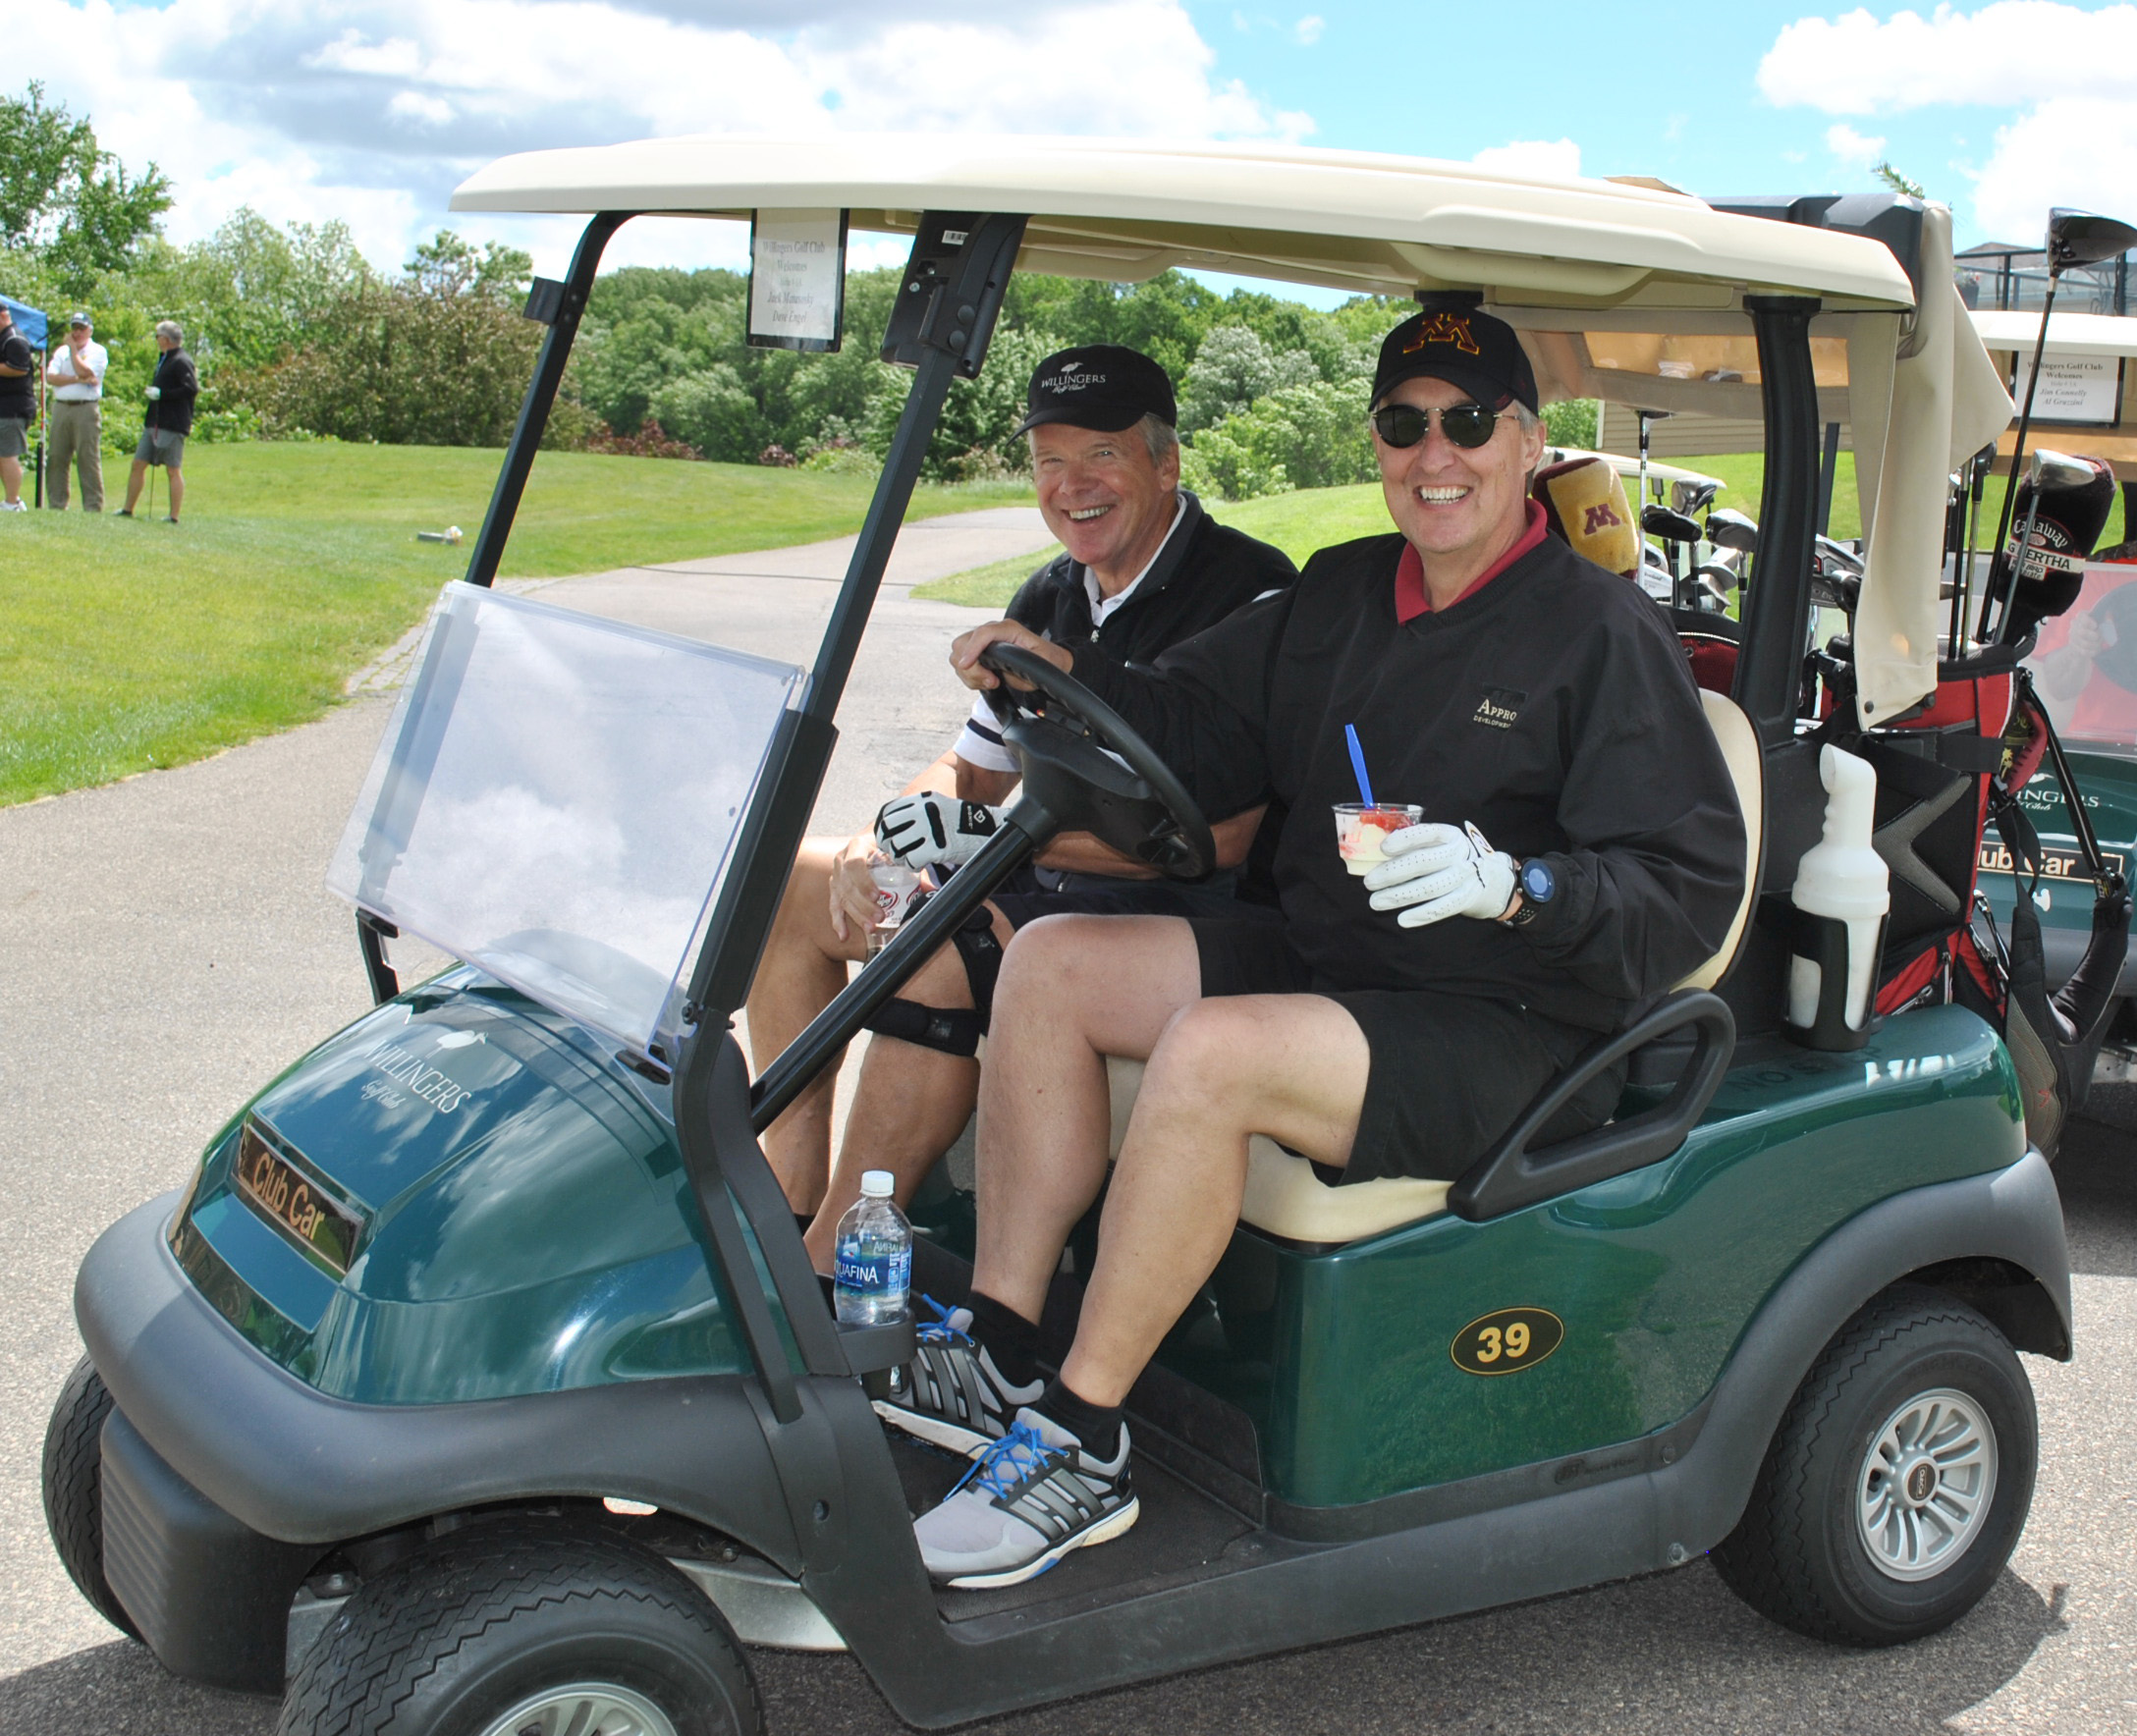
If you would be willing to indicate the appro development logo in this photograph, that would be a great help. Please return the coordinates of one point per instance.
(1500, 708)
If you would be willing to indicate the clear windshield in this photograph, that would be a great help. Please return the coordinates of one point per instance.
(555, 800)
(2085, 666)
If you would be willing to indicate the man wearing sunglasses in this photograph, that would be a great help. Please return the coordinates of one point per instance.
(1581, 850)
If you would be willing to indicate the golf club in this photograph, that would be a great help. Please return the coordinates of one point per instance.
(2074, 237)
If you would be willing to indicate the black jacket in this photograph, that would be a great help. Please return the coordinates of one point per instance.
(175, 375)
(1553, 708)
(18, 395)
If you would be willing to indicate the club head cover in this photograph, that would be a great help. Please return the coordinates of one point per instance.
(2070, 519)
(1585, 505)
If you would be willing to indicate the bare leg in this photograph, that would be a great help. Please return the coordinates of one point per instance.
(133, 484)
(802, 971)
(909, 1105)
(1293, 1066)
(177, 480)
(11, 479)
(1073, 989)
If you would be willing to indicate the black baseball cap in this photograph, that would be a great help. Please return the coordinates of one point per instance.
(1103, 387)
(1452, 339)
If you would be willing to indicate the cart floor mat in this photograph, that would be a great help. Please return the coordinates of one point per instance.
(1181, 1534)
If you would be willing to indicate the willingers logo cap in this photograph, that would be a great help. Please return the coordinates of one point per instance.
(1105, 387)
(1454, 339)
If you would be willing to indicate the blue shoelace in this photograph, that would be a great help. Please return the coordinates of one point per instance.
(1020, 1454)
(939, 1330)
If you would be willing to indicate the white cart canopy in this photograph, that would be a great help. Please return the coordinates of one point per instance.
(1631, 293)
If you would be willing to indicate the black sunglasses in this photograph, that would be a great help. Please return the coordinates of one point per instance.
(1468, 425)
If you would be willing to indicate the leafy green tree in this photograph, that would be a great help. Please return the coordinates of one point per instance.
(1572, 422)
(67, 198)
(711, 410)
(1233, 369)
(1310, 434)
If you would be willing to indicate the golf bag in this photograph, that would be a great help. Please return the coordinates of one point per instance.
(1943, 942)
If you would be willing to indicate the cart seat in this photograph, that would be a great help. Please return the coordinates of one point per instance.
(1284, 1195)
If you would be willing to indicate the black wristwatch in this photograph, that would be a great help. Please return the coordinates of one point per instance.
(1539, 885)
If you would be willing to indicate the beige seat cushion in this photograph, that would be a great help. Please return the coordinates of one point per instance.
(1283, 1196)
(1739, 743)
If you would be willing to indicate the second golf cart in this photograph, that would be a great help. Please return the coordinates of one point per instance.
(478, 1382)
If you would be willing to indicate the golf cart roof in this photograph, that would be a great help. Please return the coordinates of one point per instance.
(1631, 293)
(2069, 334)
(1125, 210)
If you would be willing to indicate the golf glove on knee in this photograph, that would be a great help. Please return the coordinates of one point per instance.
(922, 830)
(1434, 871)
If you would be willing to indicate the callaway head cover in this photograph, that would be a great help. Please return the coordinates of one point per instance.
(2073, 511)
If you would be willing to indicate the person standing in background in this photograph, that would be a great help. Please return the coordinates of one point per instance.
(18, 408)
(75, 375)
(171, 394)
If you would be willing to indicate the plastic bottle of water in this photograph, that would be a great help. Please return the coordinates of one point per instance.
(874, 1256)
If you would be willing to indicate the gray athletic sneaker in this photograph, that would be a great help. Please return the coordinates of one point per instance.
(951, 1394)
(1034, 1495)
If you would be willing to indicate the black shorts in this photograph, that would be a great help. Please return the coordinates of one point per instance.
(1023, 899)
(1449, 1073)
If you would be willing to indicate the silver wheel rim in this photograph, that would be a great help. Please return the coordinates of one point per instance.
(1925, 1485)
(584, 1709)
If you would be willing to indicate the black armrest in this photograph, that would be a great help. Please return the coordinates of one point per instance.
(872, 1349)
(1509, 1176)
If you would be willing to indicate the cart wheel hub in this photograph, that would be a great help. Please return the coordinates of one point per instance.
(584, 1709)
(1925, 1485)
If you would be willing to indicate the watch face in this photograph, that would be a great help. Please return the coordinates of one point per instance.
(1537, 882)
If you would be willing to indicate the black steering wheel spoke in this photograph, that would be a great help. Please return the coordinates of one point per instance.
(1094, 774)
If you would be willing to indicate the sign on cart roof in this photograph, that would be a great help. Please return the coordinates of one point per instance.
(1125, 210)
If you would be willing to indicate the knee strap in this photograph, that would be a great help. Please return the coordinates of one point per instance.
(954, 1030)
(982, 956)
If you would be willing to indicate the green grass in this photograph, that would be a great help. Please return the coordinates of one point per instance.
(127, 645)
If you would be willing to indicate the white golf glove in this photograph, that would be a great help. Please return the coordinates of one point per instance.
(922, 830)
(1432, 872)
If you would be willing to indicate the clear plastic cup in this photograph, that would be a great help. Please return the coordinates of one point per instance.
(896, 886)
(1360, 830)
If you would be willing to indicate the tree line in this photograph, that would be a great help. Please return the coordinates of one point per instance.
(297, 336)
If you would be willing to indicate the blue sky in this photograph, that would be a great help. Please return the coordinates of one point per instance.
(369, 111)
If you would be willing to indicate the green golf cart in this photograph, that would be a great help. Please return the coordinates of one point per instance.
(478, 1382)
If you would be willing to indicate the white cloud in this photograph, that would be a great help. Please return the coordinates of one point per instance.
(371, 111)
(1859, 150)
(1556, 158)
(2007, 53)
(1309, 30)
(2067, 76)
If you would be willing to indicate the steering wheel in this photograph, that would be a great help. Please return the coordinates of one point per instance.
(1140, 808)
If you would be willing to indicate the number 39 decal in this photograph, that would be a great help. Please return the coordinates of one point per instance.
(1506, 1340)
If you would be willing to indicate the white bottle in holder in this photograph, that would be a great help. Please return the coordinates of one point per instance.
(1843, 878)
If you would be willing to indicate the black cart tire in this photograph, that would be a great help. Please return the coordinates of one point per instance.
(73, 1490)
(504, 1628)
(1898, 1481)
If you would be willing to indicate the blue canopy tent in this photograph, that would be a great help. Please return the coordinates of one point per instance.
(31, 321)
(34, 325)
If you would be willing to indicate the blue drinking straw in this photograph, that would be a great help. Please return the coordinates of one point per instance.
(1357, 764)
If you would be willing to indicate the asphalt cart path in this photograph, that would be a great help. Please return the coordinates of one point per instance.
(168, 947)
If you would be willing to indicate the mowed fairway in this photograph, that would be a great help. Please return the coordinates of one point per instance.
(129, 645)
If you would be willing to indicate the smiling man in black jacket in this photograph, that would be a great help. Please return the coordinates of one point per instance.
(1581, 849)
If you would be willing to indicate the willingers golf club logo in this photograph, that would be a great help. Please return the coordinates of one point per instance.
(1072, 376)
(1601, 516)
(417, 1076)
(1498, 708)
(1445, 328)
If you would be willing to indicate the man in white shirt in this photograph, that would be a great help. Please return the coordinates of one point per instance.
(76, 375)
